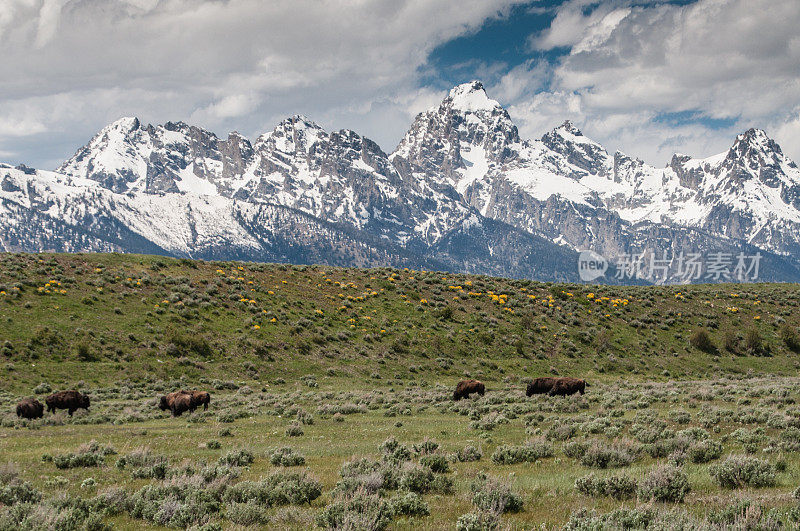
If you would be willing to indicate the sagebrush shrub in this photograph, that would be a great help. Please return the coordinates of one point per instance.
(617, 487)
(394, 451)
(665, 483)
(87, 455)
(752, 340)
(482, 521)
(576, 449)
(468, 454)
(286, 456)
(16, 491)
(369, 476)
(436, 462)
(739, 471)
(280, 488)
(295, 429)
(250, 513)
(416, 478)
(701, 340)
(490, 495)
(526, 453)
(790, 337)
(602, 455)
(704, 451)
(241, 457)
(360, 510)
(409, 504)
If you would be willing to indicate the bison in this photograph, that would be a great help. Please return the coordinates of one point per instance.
(200, 398)
(467, 387)
(177, 403)
(568, 386)
(180, 401)
(540, 386)
(556, 386)
(69, 400)
(30, 409)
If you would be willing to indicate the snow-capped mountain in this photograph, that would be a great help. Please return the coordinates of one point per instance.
(749, 193)
(461, 191)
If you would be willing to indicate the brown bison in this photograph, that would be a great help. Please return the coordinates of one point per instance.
(69, 400)
(180, 401)
(30, 408)
(568, 386)
(200, 398)
(177, 403)
(540, 386)
(556, 386)
(467, 387)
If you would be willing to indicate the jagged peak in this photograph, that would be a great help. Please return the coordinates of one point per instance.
(752, 141)
(754, 133)
(568, 127)
(301, 121)
(470, 97)
(180, 125)
(569, 134)
(296, 122)
(755, 137)
(126, 124)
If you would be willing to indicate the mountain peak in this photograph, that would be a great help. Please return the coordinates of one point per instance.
(299, 121)
(754, 143)
(470, 97)
(754, 136)
(570, 128)
(125, 124)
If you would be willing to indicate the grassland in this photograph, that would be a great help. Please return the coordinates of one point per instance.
(680, 377)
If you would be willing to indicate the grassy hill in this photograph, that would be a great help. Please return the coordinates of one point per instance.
(353, 371)
(131, 317)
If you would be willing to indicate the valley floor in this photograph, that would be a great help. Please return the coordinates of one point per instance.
(708, 448)
(332, 399)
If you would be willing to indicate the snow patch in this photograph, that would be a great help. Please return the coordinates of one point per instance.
(189, 183)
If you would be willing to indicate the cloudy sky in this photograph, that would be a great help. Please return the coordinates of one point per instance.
(646, 77)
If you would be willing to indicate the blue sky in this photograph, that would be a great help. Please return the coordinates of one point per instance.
(501, 40)
(648, 78)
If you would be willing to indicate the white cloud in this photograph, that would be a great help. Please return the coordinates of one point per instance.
(49, 17)
(230, 106)
(736, 60)
(16, 126)
(234, 64)
(67, 68)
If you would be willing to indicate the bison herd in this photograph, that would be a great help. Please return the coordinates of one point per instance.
(30, 408)
(548, 385)
(181, 401)
(176, 403)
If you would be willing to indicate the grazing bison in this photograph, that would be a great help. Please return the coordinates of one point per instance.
(540, 386)
(195, 400)
(69, 400)
(556, 386)
(568, 386)
(30, 408)
(467, 387)
(177, 403)
(200, 398)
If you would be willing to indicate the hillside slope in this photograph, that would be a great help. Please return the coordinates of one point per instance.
(102, 318)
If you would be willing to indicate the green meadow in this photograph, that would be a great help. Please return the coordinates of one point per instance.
(332, 399)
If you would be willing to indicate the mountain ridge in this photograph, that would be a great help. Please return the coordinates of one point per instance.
(460, 169)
